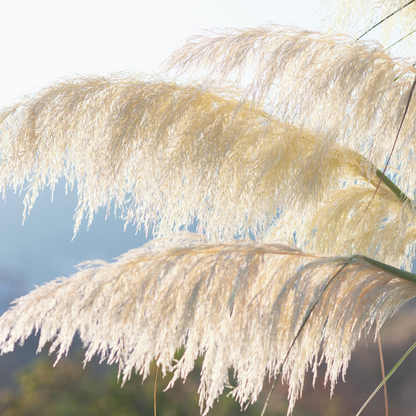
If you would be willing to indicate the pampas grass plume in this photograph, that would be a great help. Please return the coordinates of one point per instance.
(238, 304)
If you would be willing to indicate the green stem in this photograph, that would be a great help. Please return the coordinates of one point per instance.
(387, 377)
(404, 37)
(411, 277)
(402, 197)
(392, 186)
(382, 174)
(308, 314)
(387, 17)
(270, 395)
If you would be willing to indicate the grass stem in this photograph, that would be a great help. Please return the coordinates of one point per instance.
(386, 378)
(383, 373)
(387, 17)
(349, 260)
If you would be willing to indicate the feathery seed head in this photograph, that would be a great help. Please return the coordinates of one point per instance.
(166, 154)
(239, 304)
(300, 76)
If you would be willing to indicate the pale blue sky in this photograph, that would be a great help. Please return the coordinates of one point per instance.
(45, 40)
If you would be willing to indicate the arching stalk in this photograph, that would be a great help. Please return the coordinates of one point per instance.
(386, 18)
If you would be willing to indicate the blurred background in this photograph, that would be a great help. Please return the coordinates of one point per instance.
(46, 40)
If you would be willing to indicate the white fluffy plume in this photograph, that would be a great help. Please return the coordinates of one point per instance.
(352, 92)
(166, 154)
(258, 308)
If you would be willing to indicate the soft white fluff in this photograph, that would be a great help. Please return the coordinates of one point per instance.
(166, 154)
(347, 90)
(240, 304)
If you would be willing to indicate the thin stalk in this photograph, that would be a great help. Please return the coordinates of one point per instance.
(383, 20)
(402, 197)
(382, 175)
(154, 392)
(397, 135)
(383, 373)
(386, 378)
(404, 37)
(349, 260)
(270, 395)
(390, 269)
(411, 277)
(392, 186)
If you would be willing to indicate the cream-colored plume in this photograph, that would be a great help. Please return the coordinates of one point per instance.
(349, 91)
(258, 308)
(166, 154)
